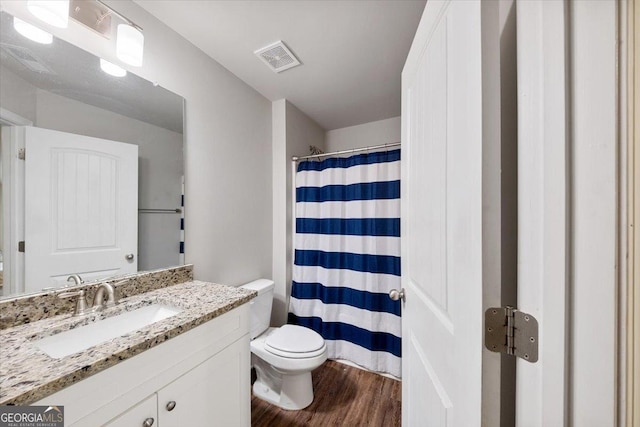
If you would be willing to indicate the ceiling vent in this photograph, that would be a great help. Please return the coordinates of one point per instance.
(277, 56)
(26, 58)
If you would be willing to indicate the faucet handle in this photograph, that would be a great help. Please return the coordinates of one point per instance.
(81, 302)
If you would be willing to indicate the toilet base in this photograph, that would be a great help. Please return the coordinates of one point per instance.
(287, 391)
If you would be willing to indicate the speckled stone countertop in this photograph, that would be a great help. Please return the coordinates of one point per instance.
(27, 374)
(23, 309)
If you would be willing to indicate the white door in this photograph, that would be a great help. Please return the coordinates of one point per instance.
(81, 203)
(444, 227)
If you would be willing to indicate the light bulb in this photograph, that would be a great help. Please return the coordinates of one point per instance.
(53, 12)
(32, 32)
(129, 45)
(112, 69)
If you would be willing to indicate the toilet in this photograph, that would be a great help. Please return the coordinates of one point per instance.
(282, 357)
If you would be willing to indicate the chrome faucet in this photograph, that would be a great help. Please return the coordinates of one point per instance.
(99, 301)
(98, 298)
(76, 278)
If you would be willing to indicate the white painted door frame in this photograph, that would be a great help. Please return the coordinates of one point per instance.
(595, 121)
(568, 171)
(12, 200)
(543, 220)
(629, 372)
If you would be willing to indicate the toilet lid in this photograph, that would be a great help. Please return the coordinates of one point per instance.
(295, 339)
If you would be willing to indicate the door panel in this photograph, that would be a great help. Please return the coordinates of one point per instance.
(84, 200)
(428, 257)
(444, 199)
(81, 200)
(424, 382)
(217, 392)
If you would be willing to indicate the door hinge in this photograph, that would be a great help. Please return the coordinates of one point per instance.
(21, 246)
(513, 332)
(21, 153)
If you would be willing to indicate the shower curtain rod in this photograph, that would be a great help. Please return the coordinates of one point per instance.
(153, 210)
(354, 150)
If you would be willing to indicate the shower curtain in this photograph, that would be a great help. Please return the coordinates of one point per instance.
(347, 257)
(181, 248)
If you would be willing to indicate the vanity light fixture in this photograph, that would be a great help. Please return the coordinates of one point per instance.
(112, 69)
(129, 44)
(53, 12)
(93, 14)
(32, 32)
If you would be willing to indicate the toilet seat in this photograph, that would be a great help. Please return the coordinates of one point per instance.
(295, 342)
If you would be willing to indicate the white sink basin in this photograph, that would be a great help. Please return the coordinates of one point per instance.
(83, 337)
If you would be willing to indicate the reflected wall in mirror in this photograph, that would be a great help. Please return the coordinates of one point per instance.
(99, 189)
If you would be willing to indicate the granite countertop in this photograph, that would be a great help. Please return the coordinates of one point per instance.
(27, 374)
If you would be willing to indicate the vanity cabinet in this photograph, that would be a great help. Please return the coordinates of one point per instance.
(205, 372)
(138, 415)
(210, 394)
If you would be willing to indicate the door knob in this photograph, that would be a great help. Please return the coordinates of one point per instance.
(171, 405)
(148, 422)
(395, 294)
(129, 257)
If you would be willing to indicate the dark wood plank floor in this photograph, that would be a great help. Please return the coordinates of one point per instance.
(344, 396)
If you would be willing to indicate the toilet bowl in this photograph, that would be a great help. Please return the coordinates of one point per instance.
(282, 357)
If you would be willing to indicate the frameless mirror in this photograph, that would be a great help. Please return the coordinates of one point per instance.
(96, 174)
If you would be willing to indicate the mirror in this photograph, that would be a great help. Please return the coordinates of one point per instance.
(59, 87)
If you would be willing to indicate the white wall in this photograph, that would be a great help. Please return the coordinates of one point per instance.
(385, 131)
(228, 212)
(18, 93)
(228, 222)
(293, 132)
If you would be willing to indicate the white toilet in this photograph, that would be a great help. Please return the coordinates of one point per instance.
(283, 357)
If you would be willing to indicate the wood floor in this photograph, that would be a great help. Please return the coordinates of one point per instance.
(344, 396)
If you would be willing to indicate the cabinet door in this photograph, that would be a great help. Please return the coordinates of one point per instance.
(138, 415)
(214, 393)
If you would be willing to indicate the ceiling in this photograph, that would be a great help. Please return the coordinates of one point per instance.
(352, 51)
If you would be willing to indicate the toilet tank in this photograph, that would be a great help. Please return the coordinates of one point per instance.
(260, 306)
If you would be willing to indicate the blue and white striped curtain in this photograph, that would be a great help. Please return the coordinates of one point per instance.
(347, 257)
(181, 248)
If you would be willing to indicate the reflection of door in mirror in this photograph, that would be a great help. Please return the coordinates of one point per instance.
(80, 207)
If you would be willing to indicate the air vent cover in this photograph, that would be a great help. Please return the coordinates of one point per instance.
(277, 56)
(26, 58)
